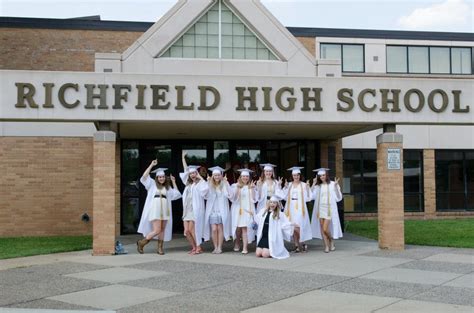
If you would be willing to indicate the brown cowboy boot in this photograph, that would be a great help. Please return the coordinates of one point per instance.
(141, 244)
(160, 250)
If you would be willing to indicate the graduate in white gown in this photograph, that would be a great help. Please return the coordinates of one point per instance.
(326, 194)
(297, 193)
(193, 205)
(267, 186)
(217, 219)
(157, 216)
(273, 229)
(243, 199)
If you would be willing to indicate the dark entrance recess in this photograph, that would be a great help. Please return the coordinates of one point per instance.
(136, 155)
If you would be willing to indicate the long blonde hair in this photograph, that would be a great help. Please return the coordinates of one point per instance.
(276, 211)
(241, 184)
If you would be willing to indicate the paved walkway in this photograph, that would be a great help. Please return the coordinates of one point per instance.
(357, 277)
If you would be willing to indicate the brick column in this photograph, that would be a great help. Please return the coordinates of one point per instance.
(429, 183)
(390, 194)
(103, 228)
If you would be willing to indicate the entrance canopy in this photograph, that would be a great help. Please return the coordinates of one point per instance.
(346, 103)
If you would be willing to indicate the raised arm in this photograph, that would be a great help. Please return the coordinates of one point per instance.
(148, 170)
(183, 159)
(337, 190)
(145, 179)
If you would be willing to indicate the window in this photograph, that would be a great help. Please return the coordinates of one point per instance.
(351, 55)
(454, 180)
(429, 60)
(360, 181)
(418, 60)
(397, 59)
(413, 180)
(220, 34)
(130, 175)
(439, 60)
(461, 60)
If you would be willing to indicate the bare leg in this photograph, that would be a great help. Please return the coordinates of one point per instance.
(323, 234)
(266, 253)
(220, 237)
(296, 239)
(328, 234)
(163, 228)
(238, 236)
(245, 240)
(215, 237)
(189, 230)
(156, 230)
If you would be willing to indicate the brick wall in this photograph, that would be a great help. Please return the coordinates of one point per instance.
(58, 49)
(309, 43)
(45, 186)
(68, 50)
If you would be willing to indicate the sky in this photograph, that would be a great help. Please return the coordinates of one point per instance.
(424, 15)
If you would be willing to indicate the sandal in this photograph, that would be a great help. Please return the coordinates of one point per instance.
(192, 251)
(244, 252)
(295, 250)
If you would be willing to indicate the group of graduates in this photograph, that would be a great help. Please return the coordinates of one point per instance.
(255, 210)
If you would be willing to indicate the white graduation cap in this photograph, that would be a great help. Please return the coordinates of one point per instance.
(193, 168)
(245, 172)
(160, 171)
(274, 198)
(268, 166)
(322, 170)
(217, 170)
(295, 170)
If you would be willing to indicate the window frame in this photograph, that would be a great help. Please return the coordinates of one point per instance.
(341, 46)
(471, 49)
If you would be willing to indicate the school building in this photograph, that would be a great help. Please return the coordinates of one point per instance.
(86, 104)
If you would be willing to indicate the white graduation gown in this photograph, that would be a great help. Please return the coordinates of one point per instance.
(279, 230)
(220, 201)
(262, 193)
(146, 226)
(235, 211)
(198, 190)
(335, 196)
(297, 211)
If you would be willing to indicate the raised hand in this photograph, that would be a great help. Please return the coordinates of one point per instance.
(154, 162)
(336, 180)
(260, 181)
(225, 178)
(184, 153)
(208, 178)
(307, 182)
(252, 184)
(286, 183)
(173, 179)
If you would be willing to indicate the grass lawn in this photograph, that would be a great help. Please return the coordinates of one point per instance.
(26, 246)
(445, 233)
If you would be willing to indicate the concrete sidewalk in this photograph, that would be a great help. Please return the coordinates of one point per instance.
(357, 277)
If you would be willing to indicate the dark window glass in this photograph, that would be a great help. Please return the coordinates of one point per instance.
(454, 180)
(413, 180)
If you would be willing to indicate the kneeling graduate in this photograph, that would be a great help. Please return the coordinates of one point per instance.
(273, 229)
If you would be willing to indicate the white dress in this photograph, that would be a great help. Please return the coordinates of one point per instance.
(279, 230)
(193, 197)
(160, 209)
(296, 209)
(329, 207)
(243, 210)
(146, 225)
(217, 208)
(265, 191)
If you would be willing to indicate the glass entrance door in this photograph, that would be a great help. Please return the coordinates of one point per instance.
(231, 155)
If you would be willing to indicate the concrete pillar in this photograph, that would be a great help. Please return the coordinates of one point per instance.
(391, 215)
(429, 183)
(103, 201)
